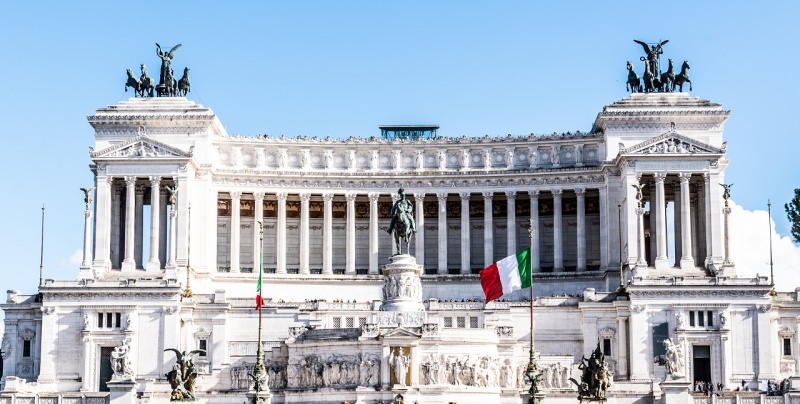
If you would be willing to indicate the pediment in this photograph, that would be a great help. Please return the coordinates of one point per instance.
(671, 143)
(401, 332)
(141, 147)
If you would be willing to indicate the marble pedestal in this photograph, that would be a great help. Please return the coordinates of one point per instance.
(402, 289)
(676, 391)
(122, 391)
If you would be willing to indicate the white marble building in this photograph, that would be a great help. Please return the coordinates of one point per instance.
(177, 206)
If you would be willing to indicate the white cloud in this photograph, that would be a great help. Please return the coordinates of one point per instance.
(749, 248)
(73, 261)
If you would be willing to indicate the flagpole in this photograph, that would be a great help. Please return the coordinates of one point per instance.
(772, 292)
(41, 251)
(259, 371)
(532, 373)
(187, 292)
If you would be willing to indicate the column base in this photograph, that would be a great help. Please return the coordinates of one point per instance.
(687, 263)
(662, 263)
(153, 266)
(85, 272)
(128, 266)
(640, 270)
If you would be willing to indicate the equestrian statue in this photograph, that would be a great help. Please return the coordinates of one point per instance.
(402, 225)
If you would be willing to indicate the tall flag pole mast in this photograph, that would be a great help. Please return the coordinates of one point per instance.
(188, 291)
(532, 372)
(259, 374)
(41, 251)
(771, 273)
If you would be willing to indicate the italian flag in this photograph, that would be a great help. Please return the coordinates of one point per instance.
(259, 299)
(507, 275)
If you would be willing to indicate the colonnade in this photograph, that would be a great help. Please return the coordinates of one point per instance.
(442, 267)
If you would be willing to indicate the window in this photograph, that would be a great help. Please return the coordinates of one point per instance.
(460, 322)
(26, 348)
(607, 346)
(109, 320)
(700, 319)
(448, 322)
(787, 347)
(203, 344)
(337, 322)
(362, 321)
(473, 322)
(691, 319)
(710, 317)
(350, 321)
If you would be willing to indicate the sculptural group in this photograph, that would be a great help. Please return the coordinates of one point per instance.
(653, 79)
(183, 374)
(167, 86)
(595, 376)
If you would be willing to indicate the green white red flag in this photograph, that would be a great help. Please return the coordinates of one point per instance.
(507, 275)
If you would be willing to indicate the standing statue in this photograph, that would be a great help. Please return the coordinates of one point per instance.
(402, 225)
(726, 194)
(672, 359)
(173, 195)
(166, 84)
(87, 196)
(595, 377)
(121, 361)
(652, 53)
(639, 195)
(183, 374)
(399, 363)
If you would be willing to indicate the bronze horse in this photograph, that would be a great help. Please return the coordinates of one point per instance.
(668, 78)
(648, 79)
(146, 83)
(183, 84)
(133, 83)
(633, 82)
(682, 77)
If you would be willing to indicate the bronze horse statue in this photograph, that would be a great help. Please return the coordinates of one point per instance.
(682, 77)
(133, 83)
(183, 84)
(146, 83)
(649, 85)
(634, 83)
(668, 78)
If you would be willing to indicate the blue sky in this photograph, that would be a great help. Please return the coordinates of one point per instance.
(343, 68)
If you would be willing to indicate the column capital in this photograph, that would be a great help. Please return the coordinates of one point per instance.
(684, 177)
(373, 196)
(534, 193)
(109, 180)
(487, 196)
(660, 177)
(511, 195)
(557, 193)
(707, 177)
(350, 196)
(281, 196)
(419, 197)
(464, 195)
(580, 192)
(327, 196)
(236, 194)
(258, 195)
(130, 180)
(305, 196)
(441, 196)
(155, 180)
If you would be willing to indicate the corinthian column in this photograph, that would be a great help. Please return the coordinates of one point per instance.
(488, 230)
(350, 265)
(535, 260)
(236, 229)
(304, 199)
(419, 200)
(687, 260)
(442, 233)
(128, 263)
(465, 236)
(661, 222)
(373, 232)
(327, 224)
(154, 264)
(280, 234)
(511, 223)
(580, 195)
(558, 237)
(258, 243)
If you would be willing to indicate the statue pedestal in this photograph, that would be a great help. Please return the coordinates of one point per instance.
(122, 391)
(676, 391)
(402, 289)
(263, 397)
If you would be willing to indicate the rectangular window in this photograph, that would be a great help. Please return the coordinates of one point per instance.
(109, 317)
(473, 322)
(203, 344)
(710, 316)
(350, 322)
(362, 321)
(337, 322)
(691, 319)
(26, 348)
(607, 346)
(700, 319)
(460, 322)
(787, 347)
(99, 320)
(118, 318)
(448, 322)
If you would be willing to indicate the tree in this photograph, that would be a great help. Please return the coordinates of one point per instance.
(793, 213)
